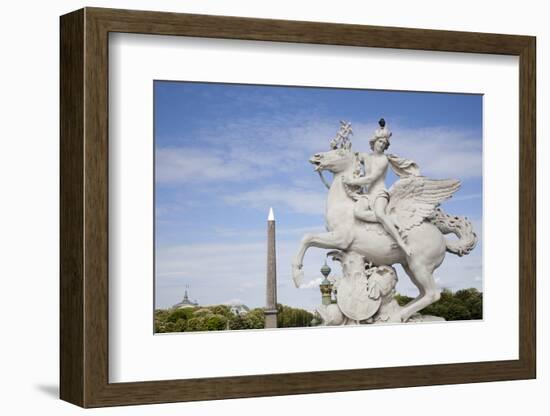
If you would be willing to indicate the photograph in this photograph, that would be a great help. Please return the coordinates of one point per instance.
(288, 206)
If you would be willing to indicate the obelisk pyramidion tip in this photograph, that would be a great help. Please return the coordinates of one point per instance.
(271, 217)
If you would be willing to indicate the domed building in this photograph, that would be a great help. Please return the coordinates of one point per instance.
(185, 303)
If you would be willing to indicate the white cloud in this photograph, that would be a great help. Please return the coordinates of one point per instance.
(440, 152)
(226, 270)
(467, 197)
(299, 200)
(220, 271)
(187, 165)
(285, 232)
(245, 149)
(300, 230)
(248, 149)
(312, 283)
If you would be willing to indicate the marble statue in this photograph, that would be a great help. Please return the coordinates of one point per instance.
(370, 228)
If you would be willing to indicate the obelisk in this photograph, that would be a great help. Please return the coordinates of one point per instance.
(271, 283)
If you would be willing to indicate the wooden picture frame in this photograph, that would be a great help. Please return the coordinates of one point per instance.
(84, 207)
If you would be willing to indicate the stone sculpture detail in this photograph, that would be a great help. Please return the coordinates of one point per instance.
(371, 228)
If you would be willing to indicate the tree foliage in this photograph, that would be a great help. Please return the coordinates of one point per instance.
(464, 304)
(221, 310)
(453, 306)
(220, 317)
(288, 317)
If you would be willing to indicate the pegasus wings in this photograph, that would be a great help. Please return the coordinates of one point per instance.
(415, 198)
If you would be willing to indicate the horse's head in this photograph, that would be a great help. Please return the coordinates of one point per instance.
(335, 161)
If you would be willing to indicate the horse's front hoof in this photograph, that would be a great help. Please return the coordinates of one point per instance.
(404, 318)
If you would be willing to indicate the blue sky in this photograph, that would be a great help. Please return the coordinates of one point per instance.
(225, 153)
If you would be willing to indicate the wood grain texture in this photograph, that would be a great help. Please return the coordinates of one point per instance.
(528, 208)
(96, 208)
(162, 23)
(71, 185)
(84, 207)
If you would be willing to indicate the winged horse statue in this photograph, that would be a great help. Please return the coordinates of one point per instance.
(412, 205)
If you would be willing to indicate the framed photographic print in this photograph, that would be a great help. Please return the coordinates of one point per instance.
(255, 207)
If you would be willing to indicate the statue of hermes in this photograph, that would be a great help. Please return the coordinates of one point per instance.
(370, 189)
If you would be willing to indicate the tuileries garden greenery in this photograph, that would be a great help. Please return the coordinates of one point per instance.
(465, 304)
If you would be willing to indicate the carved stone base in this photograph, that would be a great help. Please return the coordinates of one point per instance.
(425, 318)
(270, 318)
(365, 295)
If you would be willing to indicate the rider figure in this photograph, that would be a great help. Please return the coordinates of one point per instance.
(372, 208)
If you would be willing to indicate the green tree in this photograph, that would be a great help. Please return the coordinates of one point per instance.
(220, 317)
(465, 304)
(201, 312)
(221, 310)
(288, 317)
(196, 324)
(402, 300)
(236, 322)
(215, 322)
(254, 319)
(160, 320)
(167, 327)
(181, 325)
(177, 314)
(458, 312)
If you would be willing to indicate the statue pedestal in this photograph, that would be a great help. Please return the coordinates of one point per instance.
(365, 295)
(270, 318)
(425, 318)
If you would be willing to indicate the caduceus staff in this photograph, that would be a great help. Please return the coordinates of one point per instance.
(340, 141)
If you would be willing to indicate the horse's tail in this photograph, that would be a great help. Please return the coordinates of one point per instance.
(461, 227)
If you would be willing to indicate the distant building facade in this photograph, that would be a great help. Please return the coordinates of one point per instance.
(239, 309)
